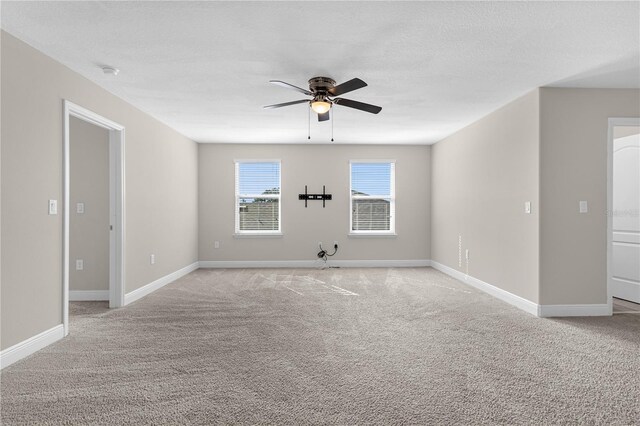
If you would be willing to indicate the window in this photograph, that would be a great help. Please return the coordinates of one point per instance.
(372, 197)
(257, 197)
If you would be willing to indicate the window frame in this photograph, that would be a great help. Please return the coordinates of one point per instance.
(256, 233)
(391, 197)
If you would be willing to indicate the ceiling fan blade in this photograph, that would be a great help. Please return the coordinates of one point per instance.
(347, 86)
(301, 101)
(291, 86)
(373, 109)
(323, 117)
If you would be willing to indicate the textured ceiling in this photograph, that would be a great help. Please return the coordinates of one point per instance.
(434, 67)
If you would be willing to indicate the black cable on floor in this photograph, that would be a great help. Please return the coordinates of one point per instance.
(324, 255)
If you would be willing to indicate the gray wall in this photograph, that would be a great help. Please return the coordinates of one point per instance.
(89, 231)
(481, 178)
(161, 189)
(573, 167)
(548, 147)
(314, 166)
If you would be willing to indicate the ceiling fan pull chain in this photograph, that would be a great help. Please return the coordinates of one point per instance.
(309, 123)
(332, 120)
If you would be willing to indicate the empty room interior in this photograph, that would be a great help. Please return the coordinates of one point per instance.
(320, 212)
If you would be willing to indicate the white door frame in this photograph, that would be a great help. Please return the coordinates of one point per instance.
(116, 206)
(613, 122)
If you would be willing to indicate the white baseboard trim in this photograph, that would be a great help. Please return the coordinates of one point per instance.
(31, 345)
(594, 310)
(498, 293)
(259, 264)
(88, 295)
(313, 263)
(160, 282)
(409, 263)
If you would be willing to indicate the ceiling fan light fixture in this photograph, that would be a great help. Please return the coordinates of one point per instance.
(320, 106)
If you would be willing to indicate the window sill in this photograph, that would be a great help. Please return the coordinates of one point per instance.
(258, 235)
(372, 235)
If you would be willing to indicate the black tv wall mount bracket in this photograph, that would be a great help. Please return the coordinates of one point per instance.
(306, 197)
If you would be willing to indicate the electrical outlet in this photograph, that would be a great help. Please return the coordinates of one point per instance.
(319, 243)
(583, 207)
(79, 264)
(527, 207)
(216, 244)
(80, 208)
(152, 259)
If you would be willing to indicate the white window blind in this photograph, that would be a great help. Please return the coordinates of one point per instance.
(257, 197)
(372, 197)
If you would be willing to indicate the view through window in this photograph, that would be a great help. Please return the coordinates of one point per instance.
(257, 196)
(372, 197)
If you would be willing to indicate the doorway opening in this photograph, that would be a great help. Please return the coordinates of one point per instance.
(115, 220)
(623, 216)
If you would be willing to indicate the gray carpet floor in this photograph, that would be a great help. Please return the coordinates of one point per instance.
(336, 346)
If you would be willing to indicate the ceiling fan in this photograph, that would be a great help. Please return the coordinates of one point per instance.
(324, 92)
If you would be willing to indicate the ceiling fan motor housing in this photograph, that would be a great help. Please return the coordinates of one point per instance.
(320, 86)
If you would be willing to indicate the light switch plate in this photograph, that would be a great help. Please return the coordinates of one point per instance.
(584, 208)
(53, 206)
(80, 208)
(79, 264)
(527, 207)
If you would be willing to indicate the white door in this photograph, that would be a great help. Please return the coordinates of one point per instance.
(626, 214)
